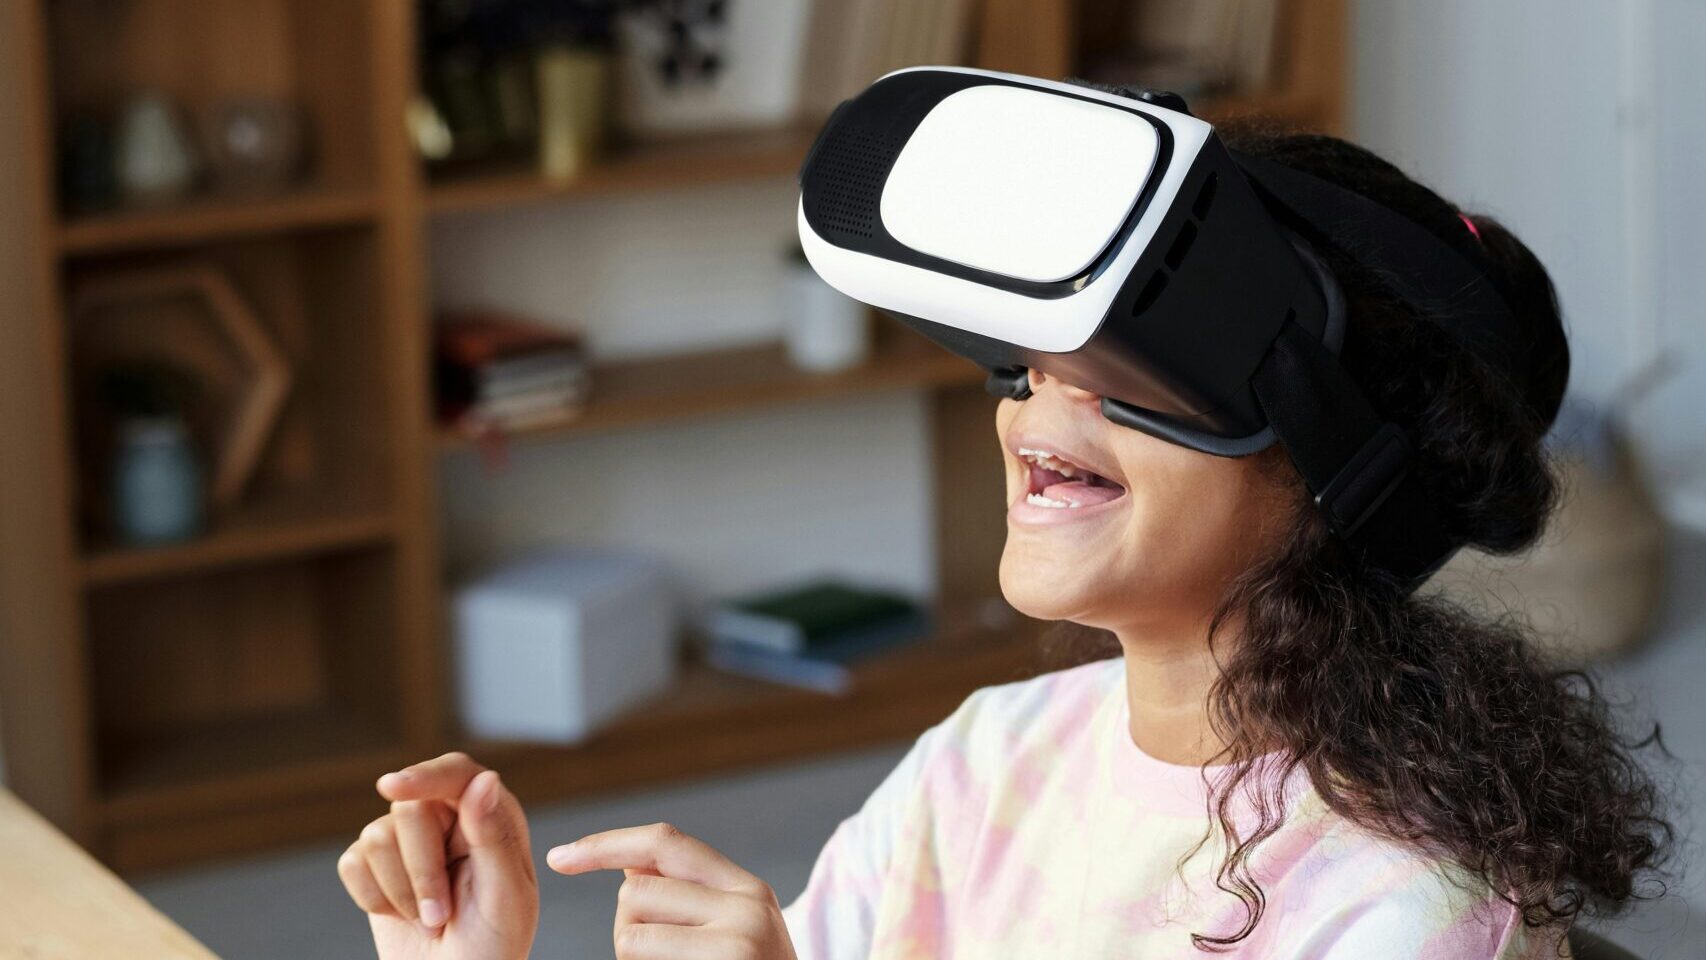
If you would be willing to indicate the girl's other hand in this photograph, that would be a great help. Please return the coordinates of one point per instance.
(681, 898)
(448, 872)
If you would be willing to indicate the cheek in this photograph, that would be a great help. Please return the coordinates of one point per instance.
(1193, 516)
(1167, 507)
(1191, 521)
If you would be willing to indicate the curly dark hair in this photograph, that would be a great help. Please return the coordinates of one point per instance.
(1410, 715)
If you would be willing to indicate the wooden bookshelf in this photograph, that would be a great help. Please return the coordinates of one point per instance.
(210, 219)
(299, 528)
(641, 393)
(241, 690)
(207, 766)
(689, 163)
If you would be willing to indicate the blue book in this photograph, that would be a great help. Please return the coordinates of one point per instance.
(826, 667)
(799, 618)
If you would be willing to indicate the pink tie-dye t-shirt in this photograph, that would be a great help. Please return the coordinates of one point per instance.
(1029, 825)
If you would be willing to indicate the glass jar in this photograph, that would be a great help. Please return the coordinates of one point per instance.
(158, 492)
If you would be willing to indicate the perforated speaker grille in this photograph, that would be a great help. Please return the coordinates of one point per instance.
(855, 162)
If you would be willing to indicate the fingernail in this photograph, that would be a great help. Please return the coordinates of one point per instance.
(490, 802)
(432, 913)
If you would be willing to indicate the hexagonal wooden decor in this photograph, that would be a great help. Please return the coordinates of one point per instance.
(192, 316)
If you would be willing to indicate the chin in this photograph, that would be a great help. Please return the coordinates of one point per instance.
(1043, 589)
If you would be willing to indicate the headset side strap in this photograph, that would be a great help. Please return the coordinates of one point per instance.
(1421, 268)
(1356, 464)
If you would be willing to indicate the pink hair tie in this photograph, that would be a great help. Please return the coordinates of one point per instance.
(1471, 225)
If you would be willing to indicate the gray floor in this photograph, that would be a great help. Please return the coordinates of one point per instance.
(291, 907)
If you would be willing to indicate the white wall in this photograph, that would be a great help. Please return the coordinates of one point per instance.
(1679, 108)
(1581, 123)
(735, 501)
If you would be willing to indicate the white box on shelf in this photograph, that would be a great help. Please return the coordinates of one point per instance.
(553, 645)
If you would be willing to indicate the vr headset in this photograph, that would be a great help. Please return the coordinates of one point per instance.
(1114, 242)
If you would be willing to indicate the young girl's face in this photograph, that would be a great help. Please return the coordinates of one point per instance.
(1158, 531)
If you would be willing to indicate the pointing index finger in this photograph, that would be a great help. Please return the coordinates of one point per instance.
(658, 847)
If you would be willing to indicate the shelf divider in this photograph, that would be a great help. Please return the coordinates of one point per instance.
(260, 536)
(638, 393)
(216, 218)
(687, 162)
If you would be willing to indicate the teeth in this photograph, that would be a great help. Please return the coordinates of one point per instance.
(1049, 461)
(1038, 500)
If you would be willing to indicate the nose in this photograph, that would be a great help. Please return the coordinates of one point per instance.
(1036, 378)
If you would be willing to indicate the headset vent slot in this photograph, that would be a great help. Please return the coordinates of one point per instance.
(1205, 196)
(1181, 245)
(1151, 293)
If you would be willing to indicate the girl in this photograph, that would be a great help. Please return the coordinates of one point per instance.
(1290, 756)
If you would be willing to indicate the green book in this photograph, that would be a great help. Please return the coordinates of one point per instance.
(794, 619)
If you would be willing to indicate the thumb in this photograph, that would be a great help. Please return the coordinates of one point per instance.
(495, 830)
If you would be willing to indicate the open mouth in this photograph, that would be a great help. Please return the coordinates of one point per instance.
(1057, 483)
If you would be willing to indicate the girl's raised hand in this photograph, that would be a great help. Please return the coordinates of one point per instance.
(681, 898)
(448, 873)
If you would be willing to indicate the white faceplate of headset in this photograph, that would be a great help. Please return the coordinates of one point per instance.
(1018, 182)
(1054, 325)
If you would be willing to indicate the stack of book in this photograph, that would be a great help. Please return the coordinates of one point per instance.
(498, 373)
(810, 635)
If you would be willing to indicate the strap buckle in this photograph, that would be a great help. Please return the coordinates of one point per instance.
(1366, 480)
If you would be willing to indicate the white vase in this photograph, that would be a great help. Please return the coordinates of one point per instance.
(759, 49)
(825, 330)
(156, 164)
